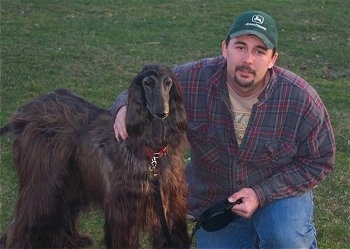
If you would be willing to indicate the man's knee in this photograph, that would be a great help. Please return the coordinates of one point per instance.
(286, 223)
(289, 238)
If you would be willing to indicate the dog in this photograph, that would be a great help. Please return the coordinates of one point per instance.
(67, 158)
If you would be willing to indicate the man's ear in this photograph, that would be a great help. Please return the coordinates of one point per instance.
(273, 60)
(224, 48)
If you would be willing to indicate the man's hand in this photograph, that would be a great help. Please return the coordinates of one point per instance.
(249, 205)
(119, 124)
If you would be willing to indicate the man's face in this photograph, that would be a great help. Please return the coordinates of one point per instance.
(248, 60)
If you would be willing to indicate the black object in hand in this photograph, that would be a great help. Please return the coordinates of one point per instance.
(218, 216)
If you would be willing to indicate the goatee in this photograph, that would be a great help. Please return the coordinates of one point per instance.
(244, 68)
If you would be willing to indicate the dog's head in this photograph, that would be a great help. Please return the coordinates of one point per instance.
(153, 89)
(154, 93)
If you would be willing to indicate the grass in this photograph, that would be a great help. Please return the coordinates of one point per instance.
(95, 47)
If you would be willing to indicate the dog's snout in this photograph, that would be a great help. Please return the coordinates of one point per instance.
(162, 115)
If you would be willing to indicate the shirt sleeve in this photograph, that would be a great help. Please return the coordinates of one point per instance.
(315, 161)
(120, 101)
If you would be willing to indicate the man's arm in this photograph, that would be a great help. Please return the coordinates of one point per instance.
(118, 109)
(120, 100)
(306, 171)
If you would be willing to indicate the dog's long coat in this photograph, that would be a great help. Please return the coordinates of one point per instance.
(67, 157)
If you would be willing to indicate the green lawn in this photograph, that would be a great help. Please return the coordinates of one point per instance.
(95, 47)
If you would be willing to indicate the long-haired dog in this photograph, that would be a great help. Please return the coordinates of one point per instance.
(67, 157)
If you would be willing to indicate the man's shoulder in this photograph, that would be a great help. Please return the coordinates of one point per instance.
(286, 77)
(210, 64)
(291, 82)
(285, 73)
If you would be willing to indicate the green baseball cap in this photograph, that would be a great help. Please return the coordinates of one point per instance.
(256, 23)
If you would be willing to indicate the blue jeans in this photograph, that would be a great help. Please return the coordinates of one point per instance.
(285, 223)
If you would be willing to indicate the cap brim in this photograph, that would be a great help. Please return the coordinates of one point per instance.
(266, 41)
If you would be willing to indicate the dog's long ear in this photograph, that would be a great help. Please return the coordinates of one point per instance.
(136, 114)
(177, 110)
(176, 91)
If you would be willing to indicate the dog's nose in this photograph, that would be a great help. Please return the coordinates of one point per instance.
(162, 115)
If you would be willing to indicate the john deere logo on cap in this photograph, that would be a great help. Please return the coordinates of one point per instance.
(258, 19)
(255, 23)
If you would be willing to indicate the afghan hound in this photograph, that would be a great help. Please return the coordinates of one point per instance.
(67, 158)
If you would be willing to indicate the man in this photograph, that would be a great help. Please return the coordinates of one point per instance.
(258, 133)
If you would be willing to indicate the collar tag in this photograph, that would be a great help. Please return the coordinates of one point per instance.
(154, 156)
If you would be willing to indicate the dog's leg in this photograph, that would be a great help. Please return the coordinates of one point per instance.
(158, 239)
(121, 227)
(119, 235)
(180, 237)
(8, 238)
(73, 238)
(175, 210)
(41, 206)
(73, 205)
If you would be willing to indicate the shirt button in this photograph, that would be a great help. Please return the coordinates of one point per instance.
(239, 183)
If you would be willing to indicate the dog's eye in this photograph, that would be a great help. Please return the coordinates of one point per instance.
(168, 82)
(147, 83)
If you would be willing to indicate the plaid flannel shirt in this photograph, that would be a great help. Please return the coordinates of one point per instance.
(287, 149)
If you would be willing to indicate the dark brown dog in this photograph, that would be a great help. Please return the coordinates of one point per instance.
(67, 158)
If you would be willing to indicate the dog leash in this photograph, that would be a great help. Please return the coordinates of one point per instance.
(156, 190)
(216, 217)
(160, 210)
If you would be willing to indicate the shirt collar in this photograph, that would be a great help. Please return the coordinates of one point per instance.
(266, 93)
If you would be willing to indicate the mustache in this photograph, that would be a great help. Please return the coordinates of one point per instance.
(245, 68)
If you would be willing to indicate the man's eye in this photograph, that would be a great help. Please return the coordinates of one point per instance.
(260, 52)
(241, 48)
